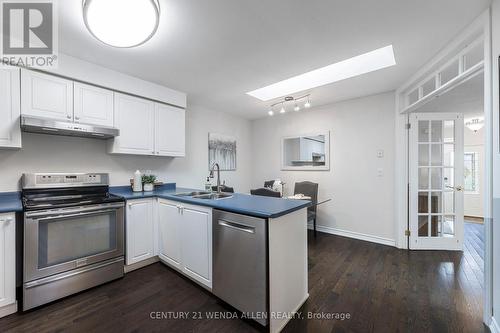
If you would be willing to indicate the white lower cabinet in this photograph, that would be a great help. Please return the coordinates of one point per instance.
(169, 233)
(7, 264)
(185, 233)
(179, 234)
(140, 233)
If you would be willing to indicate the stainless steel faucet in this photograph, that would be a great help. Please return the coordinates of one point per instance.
(216, 165)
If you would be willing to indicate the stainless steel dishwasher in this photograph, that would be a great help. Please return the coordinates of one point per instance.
(240, 263)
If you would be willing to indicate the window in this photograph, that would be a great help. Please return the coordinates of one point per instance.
(471, 181)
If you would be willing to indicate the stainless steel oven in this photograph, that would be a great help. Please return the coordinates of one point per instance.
(75, 244)
(59, 240)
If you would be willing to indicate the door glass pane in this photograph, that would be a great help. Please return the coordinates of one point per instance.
(423, 226)
(437, 155)
(423, 154)
(436, 226)
(449, 154)
(436, 130)
(423, 131)
(449, 178)
(65, 239)
(449, 202)
(423, 202)
(436, 202)
(423, 178)
(448, 226)
(449, 131)
(436, 178)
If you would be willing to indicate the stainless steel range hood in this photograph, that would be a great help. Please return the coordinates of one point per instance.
(58, 127)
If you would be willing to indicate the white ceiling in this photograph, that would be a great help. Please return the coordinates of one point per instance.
(217, 50)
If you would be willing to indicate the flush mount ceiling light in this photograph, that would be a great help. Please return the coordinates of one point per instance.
(122, 23)
(361, 64)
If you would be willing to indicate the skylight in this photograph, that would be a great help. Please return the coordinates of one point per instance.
(361, 64)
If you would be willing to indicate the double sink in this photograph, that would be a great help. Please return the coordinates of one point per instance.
(205, 195)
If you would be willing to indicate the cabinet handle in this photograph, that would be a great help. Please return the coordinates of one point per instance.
(68, 116)
(77, 118)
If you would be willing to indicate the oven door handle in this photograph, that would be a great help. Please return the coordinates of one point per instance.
(60, 216)
(75, 212)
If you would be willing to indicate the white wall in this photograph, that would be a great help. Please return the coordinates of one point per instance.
(474, 202)
(47, 153)
(363, 203)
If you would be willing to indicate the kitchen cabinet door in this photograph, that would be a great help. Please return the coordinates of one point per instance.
(7, 264)
(134, 117)
(46, 96)
(197, 243)
(139, 230)
(170, 130)
(169, 233)
(10, 109)
(93, 105)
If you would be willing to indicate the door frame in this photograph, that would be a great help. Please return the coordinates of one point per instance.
(481, 27)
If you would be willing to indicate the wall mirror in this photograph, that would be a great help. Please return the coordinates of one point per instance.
(306, 152)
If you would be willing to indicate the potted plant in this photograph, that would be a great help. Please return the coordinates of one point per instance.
(148, 181)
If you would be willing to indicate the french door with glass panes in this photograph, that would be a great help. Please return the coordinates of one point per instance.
(436, 181)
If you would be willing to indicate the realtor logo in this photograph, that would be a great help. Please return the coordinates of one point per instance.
(29, 33)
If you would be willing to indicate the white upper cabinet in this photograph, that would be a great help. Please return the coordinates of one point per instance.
(170, 131)
(46, 95)
(169, 233)
(134, 117)
(93, 105)
(139, 230)
(10, 109)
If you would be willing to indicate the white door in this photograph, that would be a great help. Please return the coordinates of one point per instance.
(139, 230)
(134, 117)
(169, 233)
(197, 243)
(436, 181)
(46, 96)
(170, 124)
(10, 109)
(93, 105)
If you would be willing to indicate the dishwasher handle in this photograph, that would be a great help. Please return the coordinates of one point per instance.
(236, 226)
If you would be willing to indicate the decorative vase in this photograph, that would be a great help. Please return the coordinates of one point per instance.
(148, 187)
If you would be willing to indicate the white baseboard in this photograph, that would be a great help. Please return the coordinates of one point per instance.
(494, 327)
(140, 264)
(355, 235)
(8, 309)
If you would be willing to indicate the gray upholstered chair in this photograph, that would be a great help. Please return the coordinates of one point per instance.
(265, 192)
(311, 190)
(269, 183)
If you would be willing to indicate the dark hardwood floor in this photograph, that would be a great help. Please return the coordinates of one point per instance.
(383, 289)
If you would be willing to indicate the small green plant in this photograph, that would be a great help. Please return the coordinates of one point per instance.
(148, 179)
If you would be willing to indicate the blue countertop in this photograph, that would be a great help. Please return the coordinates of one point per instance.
(252, 205)
(10, 202)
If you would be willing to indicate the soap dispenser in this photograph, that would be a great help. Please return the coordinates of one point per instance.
(208, 185)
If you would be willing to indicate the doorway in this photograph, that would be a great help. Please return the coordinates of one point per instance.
(456, 207)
